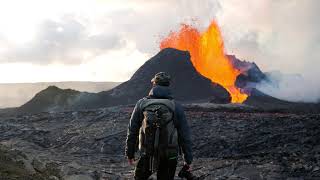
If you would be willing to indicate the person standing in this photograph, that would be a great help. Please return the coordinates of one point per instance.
(159, 130)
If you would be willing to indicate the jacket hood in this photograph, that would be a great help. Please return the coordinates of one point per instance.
(160, 92)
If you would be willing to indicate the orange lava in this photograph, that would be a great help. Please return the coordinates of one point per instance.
(207, 56)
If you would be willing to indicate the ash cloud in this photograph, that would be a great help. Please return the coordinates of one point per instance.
(292, 87)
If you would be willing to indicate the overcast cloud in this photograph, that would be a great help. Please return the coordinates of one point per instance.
(279, 35)
(67, 42)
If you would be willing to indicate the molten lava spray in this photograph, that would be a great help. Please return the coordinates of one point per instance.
(207, 56)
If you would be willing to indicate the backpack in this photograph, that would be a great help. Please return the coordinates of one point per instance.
(158, 136)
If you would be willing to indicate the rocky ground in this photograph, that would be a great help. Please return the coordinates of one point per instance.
(229, 142)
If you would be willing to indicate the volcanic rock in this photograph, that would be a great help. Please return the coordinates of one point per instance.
(38, 165)
(79, 177)
(15, 165)
(250, 73)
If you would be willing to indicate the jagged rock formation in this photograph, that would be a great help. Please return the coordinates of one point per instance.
(15, 165)
(250, 74)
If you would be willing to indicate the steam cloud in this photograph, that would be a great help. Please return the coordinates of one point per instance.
(290, 87)
(277, 35)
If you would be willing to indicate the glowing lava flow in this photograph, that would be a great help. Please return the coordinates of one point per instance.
(207, 56)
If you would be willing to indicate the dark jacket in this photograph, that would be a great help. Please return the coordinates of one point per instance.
(160, 92)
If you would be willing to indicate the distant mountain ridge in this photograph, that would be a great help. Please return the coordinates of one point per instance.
(17, 94)
(51, 99)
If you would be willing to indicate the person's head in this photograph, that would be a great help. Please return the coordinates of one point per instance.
(161, 79)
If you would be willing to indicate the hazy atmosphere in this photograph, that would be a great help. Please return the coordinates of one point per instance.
(107, 40)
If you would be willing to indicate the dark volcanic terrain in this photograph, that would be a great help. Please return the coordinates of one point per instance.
(229, 142)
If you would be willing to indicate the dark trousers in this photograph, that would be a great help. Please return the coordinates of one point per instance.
(166, 170)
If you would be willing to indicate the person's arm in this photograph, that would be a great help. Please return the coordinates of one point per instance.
(133, 131)
(184, 134)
